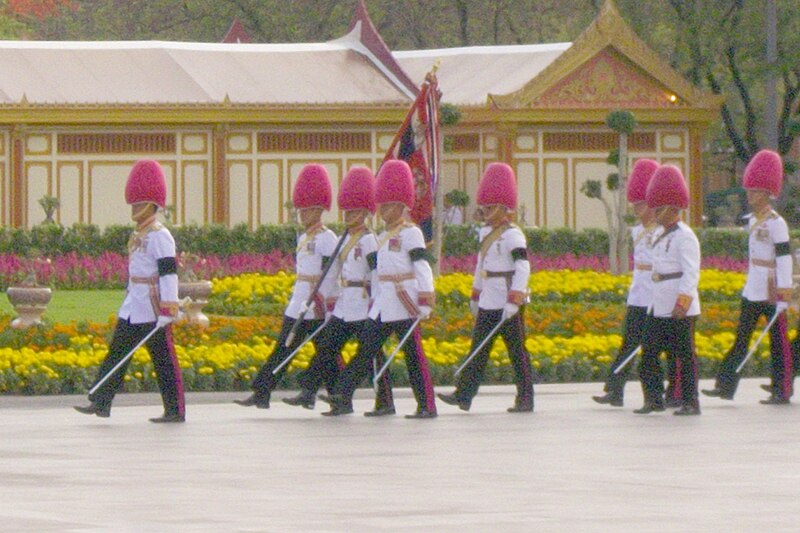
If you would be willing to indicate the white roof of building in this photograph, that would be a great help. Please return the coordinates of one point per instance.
(153, 72)
(467, 75)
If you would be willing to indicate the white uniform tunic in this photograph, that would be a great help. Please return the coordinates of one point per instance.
(352, 303)
(311, 248)
(494, 289)
(640, 293)
(146, 289)
(765, 267)
(676, 252)
(394, 260)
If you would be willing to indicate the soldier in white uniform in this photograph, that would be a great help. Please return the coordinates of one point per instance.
(350, 300)
(312, 195)
(404, 293)
(499, 291)
(676, 302)
(151, 300)
(640, 293)
(768, 287)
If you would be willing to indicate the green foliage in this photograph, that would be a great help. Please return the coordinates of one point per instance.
(612, 181)
(592, 189)
(622, 122)
(449, 114)
(457, 197)
(613, 157)
(723, 243)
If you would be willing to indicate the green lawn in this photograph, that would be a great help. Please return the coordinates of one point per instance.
(66, 306)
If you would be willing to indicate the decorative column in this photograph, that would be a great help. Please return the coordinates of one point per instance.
(220, 183)
(17, 204)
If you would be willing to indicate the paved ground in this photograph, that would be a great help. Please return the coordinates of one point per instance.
(571, 466)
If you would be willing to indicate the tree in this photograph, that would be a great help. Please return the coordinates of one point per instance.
(623, 123)
(720, 46)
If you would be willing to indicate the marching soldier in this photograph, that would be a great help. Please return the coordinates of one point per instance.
(768, 288)
(151, 300)
(499, 291)
(676, 302)
(404, 293)
(641, 288)
(350, 302)
(315, 247)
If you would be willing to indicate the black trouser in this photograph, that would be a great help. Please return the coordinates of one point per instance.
(370, 356)
(781, 356)
(165, 363)
(676, 337)
(327, 363)
(635, 322)
(513, 333)
(265, 382)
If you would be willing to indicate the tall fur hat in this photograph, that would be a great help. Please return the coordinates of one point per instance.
(146, 183)
(498, 186)
(395, 183)
(312, 188)
(667, 188)
(640, 177)
(357, 190)
(765, 172)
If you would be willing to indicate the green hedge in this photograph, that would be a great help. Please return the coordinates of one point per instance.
(86, 239)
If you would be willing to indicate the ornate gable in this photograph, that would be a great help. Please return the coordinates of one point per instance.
(608, 65)
(607, 80)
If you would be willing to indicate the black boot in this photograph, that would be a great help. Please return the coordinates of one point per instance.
(259, 400)
(716, 392)
(452, 399)
(423, 413)
(772, 400)
(381, 411)
(94, 409)
(608, 399)
(649, 407)
(687, 410)
(339, 406)
(305, 398)
(169, 419)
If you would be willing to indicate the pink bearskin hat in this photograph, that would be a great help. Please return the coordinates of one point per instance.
(357, 190)
(765, 172)
(312, 188)
(146, 183)
(667, 188)
(395, 183)
(641, 174)
(498, 186)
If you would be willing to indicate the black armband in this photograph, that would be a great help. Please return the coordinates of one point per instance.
(519, 254)
(167, 265)
(326, 260)
(372, 260)
(420, 254)
(782, 248)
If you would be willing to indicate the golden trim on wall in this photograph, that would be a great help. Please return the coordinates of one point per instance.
(526, 142)
(79, 166)
(247, 142)
(664, 141)
(564, 162)
(186, 139)
(575, 190)
(206, 186)
(534, 163)
(32, 138)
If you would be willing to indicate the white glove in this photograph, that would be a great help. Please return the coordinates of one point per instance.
(424, 311)
(780, 307)
(303, 308)
(164, 321)
(509, 310)
(473, 307)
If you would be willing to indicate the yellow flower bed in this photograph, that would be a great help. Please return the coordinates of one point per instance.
(544, 284)
(207, 366)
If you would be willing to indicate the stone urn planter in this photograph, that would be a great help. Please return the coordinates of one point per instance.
(194, 296)
(30, 304)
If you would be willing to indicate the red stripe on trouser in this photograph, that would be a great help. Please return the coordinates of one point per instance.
(424, 371)
(677, 386)
(786, 358)
(176, 370)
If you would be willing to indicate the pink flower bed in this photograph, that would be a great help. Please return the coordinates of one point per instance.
(110, 270)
